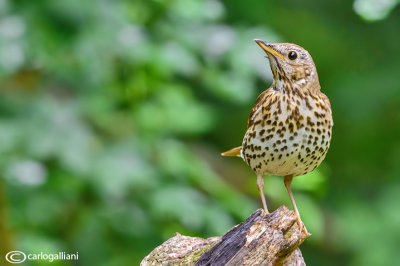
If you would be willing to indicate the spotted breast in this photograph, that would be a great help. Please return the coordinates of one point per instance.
(288, 133)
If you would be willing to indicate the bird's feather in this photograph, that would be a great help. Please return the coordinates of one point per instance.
(257, 105)
(233, 152)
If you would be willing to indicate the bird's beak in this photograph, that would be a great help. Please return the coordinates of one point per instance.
(268, 48)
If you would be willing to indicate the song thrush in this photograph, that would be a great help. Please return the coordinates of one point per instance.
(289, 128)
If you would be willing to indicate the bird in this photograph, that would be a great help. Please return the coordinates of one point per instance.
(289, 128)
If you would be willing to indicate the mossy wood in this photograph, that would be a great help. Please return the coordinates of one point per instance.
(263, 239)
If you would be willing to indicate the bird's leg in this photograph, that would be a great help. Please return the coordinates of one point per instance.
(288, 181)
(260, 185)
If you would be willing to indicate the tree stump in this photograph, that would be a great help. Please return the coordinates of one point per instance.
(263, 239)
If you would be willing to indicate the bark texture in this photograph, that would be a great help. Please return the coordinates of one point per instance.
(263, 239)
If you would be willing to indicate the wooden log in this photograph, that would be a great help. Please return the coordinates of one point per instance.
(263, 239)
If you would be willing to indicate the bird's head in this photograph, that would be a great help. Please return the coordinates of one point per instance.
(291, 65)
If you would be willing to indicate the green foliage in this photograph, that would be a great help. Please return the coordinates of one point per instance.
(113, 115)
(372, 10)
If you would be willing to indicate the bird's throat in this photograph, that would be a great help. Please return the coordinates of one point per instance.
(284, 84)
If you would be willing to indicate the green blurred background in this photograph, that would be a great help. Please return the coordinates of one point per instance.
(113, 115)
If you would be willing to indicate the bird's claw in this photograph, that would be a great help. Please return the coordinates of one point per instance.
(303, 228)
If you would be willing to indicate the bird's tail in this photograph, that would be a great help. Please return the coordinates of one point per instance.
(233, 152)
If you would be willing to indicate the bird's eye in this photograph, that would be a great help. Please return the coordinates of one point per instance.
(292, 55)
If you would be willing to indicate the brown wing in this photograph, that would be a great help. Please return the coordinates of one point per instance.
(326, 100)
(266, 98)
(327, 103)
(262, 99)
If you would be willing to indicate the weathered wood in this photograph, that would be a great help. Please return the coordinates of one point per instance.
(263, 239)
